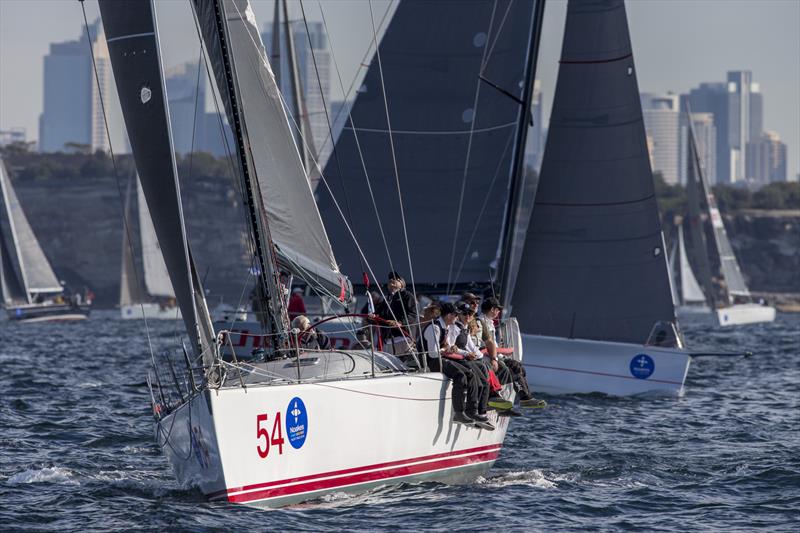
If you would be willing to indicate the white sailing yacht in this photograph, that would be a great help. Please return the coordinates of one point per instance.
(687, 294)
(725, 289)
(157, 300)
(593, 293)
(325, 420)
(30, 289)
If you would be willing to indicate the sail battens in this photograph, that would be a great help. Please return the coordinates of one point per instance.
(594, 264)
(131, 36)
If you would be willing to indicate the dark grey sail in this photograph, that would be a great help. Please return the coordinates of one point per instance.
(131, 32)
(594, 264)
(710, 245)
(452, 132)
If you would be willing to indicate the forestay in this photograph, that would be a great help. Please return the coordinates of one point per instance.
(131, 32)
(594, 264)
(452, 134)
(156, 277)
(36, 273)
(295, 225)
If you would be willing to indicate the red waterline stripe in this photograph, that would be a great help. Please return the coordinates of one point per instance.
(355, 479)
(603, 374)
(594, 61)
(491, 447)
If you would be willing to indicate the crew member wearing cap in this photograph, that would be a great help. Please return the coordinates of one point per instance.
(399, 310)
(442, 358)
(508, 370)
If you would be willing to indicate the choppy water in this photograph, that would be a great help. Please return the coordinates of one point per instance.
(77, 453)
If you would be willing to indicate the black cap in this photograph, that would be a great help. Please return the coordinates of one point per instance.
(490, 303)
(469, 297)
(394, 275)
(448, 309)
(464, 308)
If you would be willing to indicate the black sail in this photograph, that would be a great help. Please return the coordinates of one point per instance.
(432, 54)
(594, 265)
(131, 33)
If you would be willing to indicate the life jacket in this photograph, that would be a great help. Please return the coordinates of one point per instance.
(463, 336)
(442, 336)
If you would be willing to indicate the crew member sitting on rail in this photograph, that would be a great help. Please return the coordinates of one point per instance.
(309, 338)
(490, 310)
(445, 360)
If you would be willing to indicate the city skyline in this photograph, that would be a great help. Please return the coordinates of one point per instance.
(677, 46)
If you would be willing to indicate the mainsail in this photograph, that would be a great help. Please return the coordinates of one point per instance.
(130, 28)
(594, 264)
(36, 274)
(702, 207)
(295, 225)
(453, 73)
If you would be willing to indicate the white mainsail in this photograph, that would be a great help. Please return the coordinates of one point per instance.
(294, 222)
(37, 274)
(690, 288)
(156, 277)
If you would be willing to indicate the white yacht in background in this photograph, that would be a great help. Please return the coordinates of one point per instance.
(687, 294)
(30, 290)
(156, 300)
(723, 284)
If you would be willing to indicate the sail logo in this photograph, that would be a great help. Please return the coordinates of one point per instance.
(642, 366)
(145, 94)
(296, 423)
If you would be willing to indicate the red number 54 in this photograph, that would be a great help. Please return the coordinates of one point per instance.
(275, 439)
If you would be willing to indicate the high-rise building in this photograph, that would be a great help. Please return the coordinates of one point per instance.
(73, 111)
(316, 89)
(766, 159)
(186, 93)
(662, 122)
(705, 138)
(739, 85)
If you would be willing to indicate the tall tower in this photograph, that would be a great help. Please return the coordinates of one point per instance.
(739, 83)
(661, 120)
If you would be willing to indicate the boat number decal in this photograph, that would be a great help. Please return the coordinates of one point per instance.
(266, 439)
(296, 423)
(642, 366)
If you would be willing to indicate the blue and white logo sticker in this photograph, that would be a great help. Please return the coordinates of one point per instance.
(642, 366)
(296, 423)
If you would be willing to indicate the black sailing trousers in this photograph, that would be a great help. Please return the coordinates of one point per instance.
(465, 384)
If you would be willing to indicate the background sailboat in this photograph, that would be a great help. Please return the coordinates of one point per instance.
(725, 289)
(156, 299)
(204, 425)
(688, 296)
(30, 289)
(593, 294)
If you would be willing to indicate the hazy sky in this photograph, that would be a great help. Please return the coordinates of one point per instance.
(677, 44)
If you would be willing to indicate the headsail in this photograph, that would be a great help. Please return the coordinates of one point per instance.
(594, 264)
(452, 132)
(156, 277)
(690, 288)
(128, 288)
(295, 225)
(36, 273)
(132, 36)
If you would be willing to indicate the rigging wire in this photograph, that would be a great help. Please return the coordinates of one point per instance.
(394, 157)
(125, 221)
(355, 137)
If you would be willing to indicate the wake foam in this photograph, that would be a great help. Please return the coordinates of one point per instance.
(54, 474)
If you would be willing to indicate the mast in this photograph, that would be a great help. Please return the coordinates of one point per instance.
(305, 141)
(276, 320)
(506, 266)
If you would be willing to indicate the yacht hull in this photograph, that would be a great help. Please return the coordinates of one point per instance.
(151, 310)
(575, 366)
(270, 446)
(48, 312)
(740, 314)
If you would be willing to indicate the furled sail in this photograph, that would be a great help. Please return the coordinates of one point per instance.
(36, 272)
(703, 209)
(131, 32)
(295, 225)
(453, 137)
(690, 288)
(594, 264)
(156, 277)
